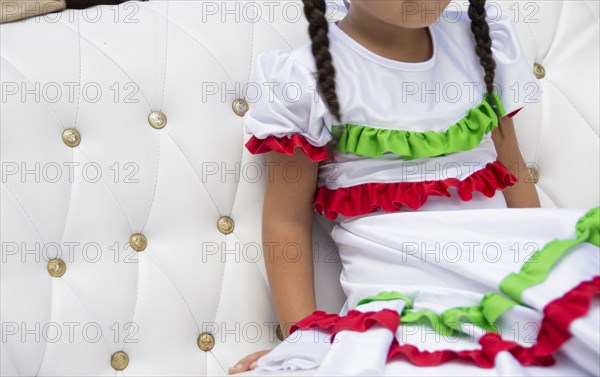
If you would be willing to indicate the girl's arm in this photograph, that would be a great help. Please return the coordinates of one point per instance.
(287, 241)
(522, 194)
(287, 235)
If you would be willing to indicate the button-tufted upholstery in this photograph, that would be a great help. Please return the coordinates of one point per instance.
(130, 243)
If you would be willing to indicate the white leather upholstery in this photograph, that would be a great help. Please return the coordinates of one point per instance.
(191, 59)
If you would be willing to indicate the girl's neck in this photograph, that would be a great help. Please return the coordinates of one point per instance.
(390, 41)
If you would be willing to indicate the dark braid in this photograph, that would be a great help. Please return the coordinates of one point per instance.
(317, 29)
(483, 48)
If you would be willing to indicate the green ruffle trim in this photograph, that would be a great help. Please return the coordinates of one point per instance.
(464, 135)
(387, 296)
(449, 322)
(588, 227)
(484, 315)
(534, 271)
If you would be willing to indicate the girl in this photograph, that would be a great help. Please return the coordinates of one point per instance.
(406, 131)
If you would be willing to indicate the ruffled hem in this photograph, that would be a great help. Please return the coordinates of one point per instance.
(286, 145)
(464, 135)
(554, 332)
(587, 229)
(560, 313)
(390, 197)
(354, 320)
(491, 344)
(319, 319)
(361, 321)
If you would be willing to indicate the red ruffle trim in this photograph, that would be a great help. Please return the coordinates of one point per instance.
(287, 146)
(354, 320)
(491, 345)
(318, 318)
(361, 321)
(370, 197)
(559, 314)
(554, 332)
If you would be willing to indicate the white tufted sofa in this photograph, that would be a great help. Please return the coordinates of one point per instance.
(76, 297)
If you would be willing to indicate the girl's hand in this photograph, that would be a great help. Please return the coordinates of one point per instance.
(247, 363)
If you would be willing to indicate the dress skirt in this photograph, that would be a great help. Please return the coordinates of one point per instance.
(475, 291)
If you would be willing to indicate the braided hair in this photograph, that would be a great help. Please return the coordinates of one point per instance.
(483, 48)
(318, 27)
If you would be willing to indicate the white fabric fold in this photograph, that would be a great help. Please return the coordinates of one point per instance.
(304, 349)
(356, 353)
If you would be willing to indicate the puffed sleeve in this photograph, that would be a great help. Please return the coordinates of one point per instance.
(287, 112)
(516, 83)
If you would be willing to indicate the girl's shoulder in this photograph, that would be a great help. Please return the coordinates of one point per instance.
(285, 66)
(285, 109)
(455, 23)
(515, 81)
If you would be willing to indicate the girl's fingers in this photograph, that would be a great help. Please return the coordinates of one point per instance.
(234, 369)
(247, 363)
(241, 366)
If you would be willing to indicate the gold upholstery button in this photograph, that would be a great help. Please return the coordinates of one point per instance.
(56, 267)
(240, 106)
(119, 360)
(534, 174)
(157, 119)
(225, 224)
(279, 332)
(71, 137)
(206, 341)
(539, 71)
(138, 242)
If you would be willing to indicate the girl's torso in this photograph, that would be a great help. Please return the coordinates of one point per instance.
(412, 136)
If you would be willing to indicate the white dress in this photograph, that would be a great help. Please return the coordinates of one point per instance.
(441, 278)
